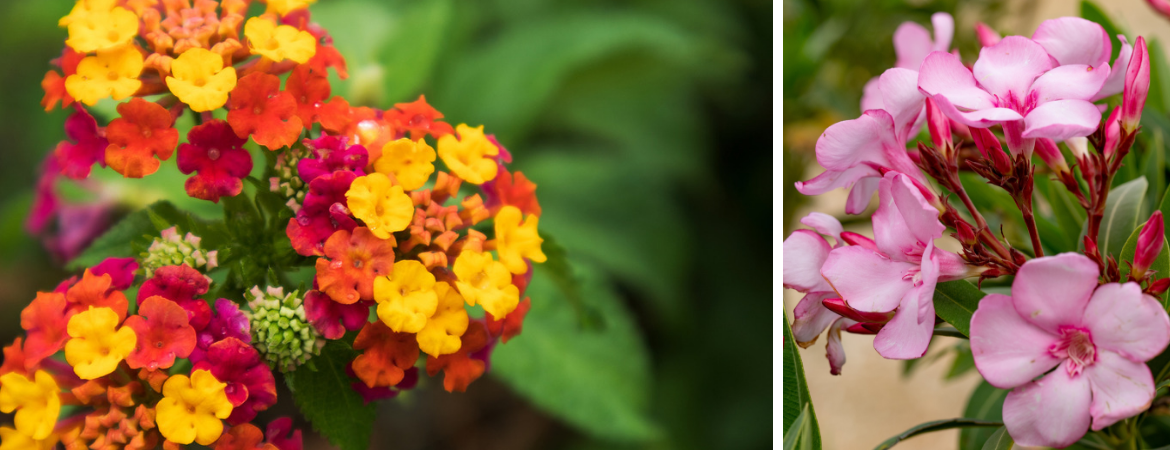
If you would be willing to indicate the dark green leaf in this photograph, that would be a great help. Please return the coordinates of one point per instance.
(1159, 96)
(799, 431)
(963, 363)
(795, 387)
(1122, 209)
(1155, 166)
(326, 398)
(955, 302)
(937, 425)
(1161, 264)
(986, 403)
(1066, 210)
(999, 440)
(141, 227)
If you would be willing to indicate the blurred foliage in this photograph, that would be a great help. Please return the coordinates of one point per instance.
(642, 124)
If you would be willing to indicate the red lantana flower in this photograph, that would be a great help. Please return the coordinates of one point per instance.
(182, 285)
(510, 325)
(86, 145)
(387, 355)
(54, 83)
(96, 291)
(461, 368)
(323, 213)
(259, 108)
(351, 262)
(218, 155)
(14, 358)
(419, 118)
(327, 56)
(142, 132)
(44, 322)
(251, 387)
(164, 333)
(310, 89)
(509, 190)
(332, 319)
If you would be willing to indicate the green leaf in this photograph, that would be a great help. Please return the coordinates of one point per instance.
(986, 403)
(937, 425)
(141, 227)
(1161, 264)
(326, 398)
(1122, 209)
(1066, 210)
(795, 387)
(1091, 11)
(1155, 165)
(964, 361)
(597, 378)
(999, 440)
(956, 301)
(1159, 96)
(799, 431)
(409, 54)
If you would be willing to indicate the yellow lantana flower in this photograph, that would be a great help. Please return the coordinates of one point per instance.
(485, 281)
(193, 409)
(383, 206)
(112, 73)
(406, 298)
(515, 242)
(468, 156)
(279, 42)
(200, 80)
(37, 403)
(283, 7)
(97, 346)
(13, 439)
(440, 336)
(98, 25)
(409, 161)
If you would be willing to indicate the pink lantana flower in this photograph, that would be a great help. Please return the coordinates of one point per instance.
(1097, 339)
(227, 322)
(898, 270)
(1017, 84)
(1073, 40)
(323, 213)
(218, 158)
(333, 319)
(88, 145)
(182, 285)
(330, 154)
(251, 387)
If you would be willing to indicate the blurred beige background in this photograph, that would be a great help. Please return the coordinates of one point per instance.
(871, 400)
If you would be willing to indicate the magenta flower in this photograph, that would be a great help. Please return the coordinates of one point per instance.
(987, 36)
(251, 387)
(228, 322)
(331, 154)
(899, 271)
(182, 285)
(331, 318)
(219, 159)
(45, 199)
(1015, 83)
(1096, 337)
(280, 433)
(88, 145)
(1137, 87)
(373, 394)
(121, 271)
(1149, 245)
(1073, 40)
(323, 213)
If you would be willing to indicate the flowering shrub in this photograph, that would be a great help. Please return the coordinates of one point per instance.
(355, 241)
(1053, 270)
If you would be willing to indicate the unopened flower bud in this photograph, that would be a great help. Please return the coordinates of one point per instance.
(1137, 86)
(990, 147)
(171, 249)
(844, 310)
(965, 233)
(280, 330)
(852, 238)
(865, 328)
(939, 125)
(987, 36)
(1051, 155)
(1159, 286)
(1079, 146)
(1112, 132)
(1018, 258)
(1149, 245)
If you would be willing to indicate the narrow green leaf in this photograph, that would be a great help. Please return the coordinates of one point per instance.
(795, 387)
(1155, 166)
(956, 301)
(1159, 97)
(797, 430)
(1066, 211)
(985, 403)
(937, 425)
(1000, 440)
(1121, 215)
(1165, 208)
(139, 227)
(1161, 264)
(964, 361)
(326, 398)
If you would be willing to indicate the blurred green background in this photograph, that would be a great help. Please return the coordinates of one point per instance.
(645, 124)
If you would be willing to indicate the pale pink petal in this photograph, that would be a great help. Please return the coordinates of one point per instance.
(1008, 350)
(849, 143)
(951, 266)
(805, 252)
(1054, 290)
(1061, 120)
(981, 118)
(1008, 68)
(1073, 40)
(901, 98)
(861, 194)
(944, 30)
(871, 94)
(920, 216)
(1121, 388)
(889, 225)
(824, 224)
(911, 43)
(1116, 81)
(907, 335)
(834, 351)
(943, 74)
(866, 280)
(1051, 412)
(810, 317)
(834, 179)
(1070, 82)
(1122, 319)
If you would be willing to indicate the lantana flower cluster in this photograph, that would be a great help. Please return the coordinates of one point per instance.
(418, 239)
(1072, 336)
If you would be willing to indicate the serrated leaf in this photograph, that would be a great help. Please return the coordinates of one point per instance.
(1122, 209)
(597, 379)
(795, 394)
(999, 440)
(937, 425)
(326, 398)
(985, 403)
(956, 301)
(1161, 264)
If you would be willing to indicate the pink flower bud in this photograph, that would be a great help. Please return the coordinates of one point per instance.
(1149, 245)
(1050, 153)
(939, 125)
(1137, 86)
(965, 233)
(987, 36)
(990, 148)
(1161, 6)
(852, 238)
(1079, 146)
(864, 328)
(1112, 131)
(844, 310)
(1159, 286)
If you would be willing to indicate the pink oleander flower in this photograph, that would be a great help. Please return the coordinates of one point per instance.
(182, 285)
(1149, 245)
(1017, 84)
(1161, 6)
(228, 322)
(911, 44)
(805, 252)
(330, 154)
(1073, 40)
(219, 159)
(251, 387)
(88, 147)
(987, 36)
(1097, 339)
(899, 270)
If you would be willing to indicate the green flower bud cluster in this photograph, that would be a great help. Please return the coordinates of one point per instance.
(280, 330)
(171, 249)
(287, 181)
